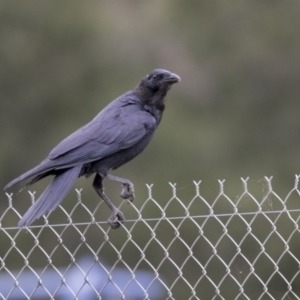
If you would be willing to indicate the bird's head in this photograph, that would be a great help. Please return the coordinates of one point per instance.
(160, 79)
(156, 84)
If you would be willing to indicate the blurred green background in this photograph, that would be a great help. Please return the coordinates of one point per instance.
(234, 114)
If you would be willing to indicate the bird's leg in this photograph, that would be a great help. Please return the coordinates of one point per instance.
(128, 187)
(116, 217)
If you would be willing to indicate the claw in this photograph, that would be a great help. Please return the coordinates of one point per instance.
(128, 192)
(116, 219)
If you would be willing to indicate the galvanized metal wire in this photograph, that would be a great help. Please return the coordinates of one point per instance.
(241, 247)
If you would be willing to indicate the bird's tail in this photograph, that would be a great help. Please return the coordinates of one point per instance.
(52, 196)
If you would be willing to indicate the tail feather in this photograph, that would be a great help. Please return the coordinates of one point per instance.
(52, 196)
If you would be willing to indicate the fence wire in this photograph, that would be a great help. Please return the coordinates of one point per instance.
(182, 248)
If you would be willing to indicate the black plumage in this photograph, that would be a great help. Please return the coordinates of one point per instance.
(115, 136)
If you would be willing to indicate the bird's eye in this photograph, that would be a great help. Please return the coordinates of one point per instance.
(156, 77)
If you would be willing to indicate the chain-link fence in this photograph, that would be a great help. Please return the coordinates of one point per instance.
(245, 246)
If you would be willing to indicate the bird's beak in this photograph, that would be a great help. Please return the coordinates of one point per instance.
(172, 78)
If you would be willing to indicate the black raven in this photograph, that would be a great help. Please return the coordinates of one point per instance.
(115, 136)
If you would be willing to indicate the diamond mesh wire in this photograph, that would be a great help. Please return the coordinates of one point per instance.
(241, 247)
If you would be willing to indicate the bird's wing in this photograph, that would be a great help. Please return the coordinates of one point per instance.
(112, 130)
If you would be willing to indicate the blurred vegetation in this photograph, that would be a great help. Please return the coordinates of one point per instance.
(235, 113)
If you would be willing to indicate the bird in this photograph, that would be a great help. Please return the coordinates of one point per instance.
(115, 136)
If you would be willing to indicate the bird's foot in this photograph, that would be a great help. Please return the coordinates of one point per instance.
(128, 192)
(116, 219)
